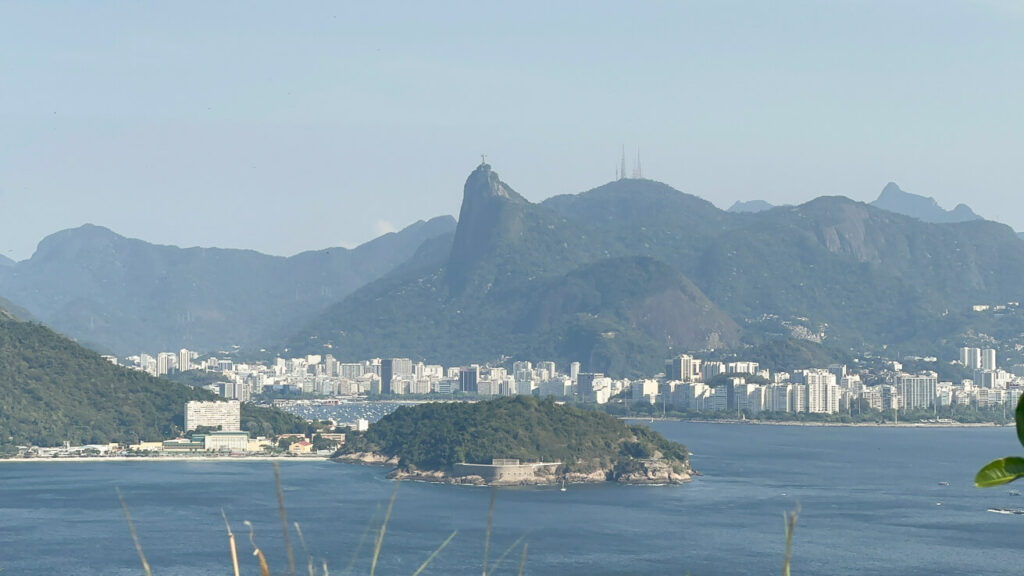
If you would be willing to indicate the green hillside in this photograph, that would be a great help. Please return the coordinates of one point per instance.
(435, 436)
(523, 281)
(53, 390)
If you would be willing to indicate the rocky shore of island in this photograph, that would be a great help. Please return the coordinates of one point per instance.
(652, 471)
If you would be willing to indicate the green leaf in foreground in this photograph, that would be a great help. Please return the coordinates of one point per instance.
(1000, 471)
(1019, 416)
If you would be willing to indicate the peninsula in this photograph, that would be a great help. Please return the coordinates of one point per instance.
(516, 441)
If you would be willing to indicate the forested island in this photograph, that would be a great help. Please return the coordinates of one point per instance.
(436, 442)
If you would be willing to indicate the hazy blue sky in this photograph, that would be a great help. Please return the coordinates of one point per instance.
(283, 128)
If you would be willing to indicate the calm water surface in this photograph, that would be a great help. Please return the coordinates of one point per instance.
(870, 501)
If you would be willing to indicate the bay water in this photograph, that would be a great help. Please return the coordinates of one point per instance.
(872, 500)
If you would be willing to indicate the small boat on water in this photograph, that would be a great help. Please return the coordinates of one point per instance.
(943, 483)
(562, 489)
(1014, 492)
(1006, 510)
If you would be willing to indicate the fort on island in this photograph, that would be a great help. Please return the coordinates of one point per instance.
(505, 470)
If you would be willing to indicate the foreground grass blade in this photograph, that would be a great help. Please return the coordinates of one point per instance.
(305, 550)
(135, 537)
(383, 530)
(999, 472)
(522, 561)
(490, 522)
(231, 543)
(284, 520)
(362, 540)
(497, 562)
(790, 526)
(264, 568)
(435, 553)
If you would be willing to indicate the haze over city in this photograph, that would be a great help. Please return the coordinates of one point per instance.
(282, 130)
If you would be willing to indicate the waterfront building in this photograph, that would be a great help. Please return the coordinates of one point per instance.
(917, 390)
(822, 391)
(392, 369)
(798, 398)
(779, 398)
(749, 397)
(226, 414)
(226, 441)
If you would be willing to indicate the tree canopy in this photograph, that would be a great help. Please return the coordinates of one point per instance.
(435, 436)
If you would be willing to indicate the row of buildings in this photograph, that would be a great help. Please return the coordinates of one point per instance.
(687, 382)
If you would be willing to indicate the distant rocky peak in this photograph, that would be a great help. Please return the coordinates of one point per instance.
(485, 183)
(488, 206)
(751, 206)
(924, 208)
(74, 241)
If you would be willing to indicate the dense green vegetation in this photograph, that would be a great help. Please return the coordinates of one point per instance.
(53, 390)
(435, 436)
(1004, 470)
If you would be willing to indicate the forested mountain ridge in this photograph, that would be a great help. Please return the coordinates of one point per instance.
(522, 279)
(52, 390)
(544, 281)
(126, 296)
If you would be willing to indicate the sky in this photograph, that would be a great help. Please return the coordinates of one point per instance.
(290, 127)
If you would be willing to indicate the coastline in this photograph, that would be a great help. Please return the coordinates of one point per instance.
(650, 473)
(824, 424)
(170, 459)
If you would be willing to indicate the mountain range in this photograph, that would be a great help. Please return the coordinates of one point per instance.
(124, 295)
(924, 208)
(618, 278)
(622, 275)
(750, 206)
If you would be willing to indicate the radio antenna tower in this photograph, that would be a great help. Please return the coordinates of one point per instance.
(638, 171)
(622, 170)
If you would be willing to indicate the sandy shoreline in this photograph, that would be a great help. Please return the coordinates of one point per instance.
(172, 459)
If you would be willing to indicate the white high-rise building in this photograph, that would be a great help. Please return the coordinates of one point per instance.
(779, 398)
(165, 362)
(917, 390)
(184, 360)
(822, 391)
(988, 359)
(798, 398)
(971, 357)
(227, 415)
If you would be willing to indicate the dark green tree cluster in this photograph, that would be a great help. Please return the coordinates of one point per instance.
(438, 435)
(53, 390)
